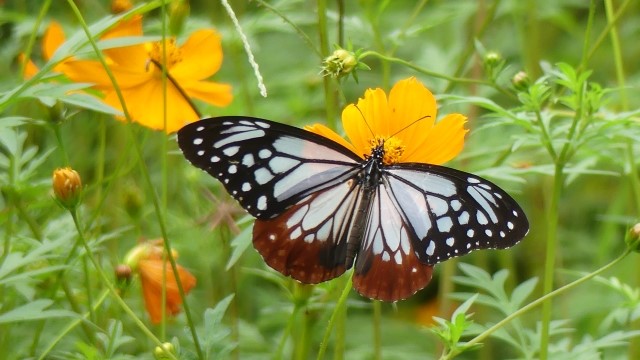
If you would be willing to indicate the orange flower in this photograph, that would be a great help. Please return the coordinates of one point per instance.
(51, 40)
(137, 69)
(147, 260)
(405, 122)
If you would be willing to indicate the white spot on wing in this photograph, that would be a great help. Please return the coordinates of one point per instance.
(246, 186)
(431, 248)
(444, 224)
(482, 220)
(282, 164)
(231, 150)
(398, 258)
(262, 176)
(197, 141)
(463, 219)
(385, 256)
(200, 128)
(248, 160)
(450, 241)
(455, 204)
(264, 154)
(215, 159)
(232, 169)
(262, 203)
(241, 136)
(200, 152)
(437, 205)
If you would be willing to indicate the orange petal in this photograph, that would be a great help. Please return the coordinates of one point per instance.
(128, 27)
(201, 54)
(151, 277)
(331, 135)
(210, 92)
(178, 110)
(30, 68)
(52, 39)
(413, 111)
(369, 118)
(441, 144)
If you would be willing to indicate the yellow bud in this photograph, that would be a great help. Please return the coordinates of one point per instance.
(67, 187)
(120, 6)
(162, 352)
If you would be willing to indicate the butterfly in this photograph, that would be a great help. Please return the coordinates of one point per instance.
(321, 209)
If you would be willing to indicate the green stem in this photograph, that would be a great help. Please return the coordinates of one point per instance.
(377, 336)
(34, 34)
(542, 300)
(329, 96)
(340, 305)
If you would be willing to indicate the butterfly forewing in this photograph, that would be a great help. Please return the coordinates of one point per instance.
(452, 213)
(264, 165)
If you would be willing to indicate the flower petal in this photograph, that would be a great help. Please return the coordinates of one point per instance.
(331, 135)
(413, 111)
(179, 111)
(30, 67)
(441, 144)
(151, 278)
(52, 39)
(371, 114)
(210, 92)
(201, 54)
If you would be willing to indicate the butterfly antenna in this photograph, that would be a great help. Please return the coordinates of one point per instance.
(365, 120)
(408, 126)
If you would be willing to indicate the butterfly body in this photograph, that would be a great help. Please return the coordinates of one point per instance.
(321, 209)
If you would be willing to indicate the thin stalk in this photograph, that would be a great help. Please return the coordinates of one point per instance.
(542, 300)
(550, 256)
(34, 34)
(329, 97)
(146, 176)
(340, 305)
(340, 335)
(377, 335)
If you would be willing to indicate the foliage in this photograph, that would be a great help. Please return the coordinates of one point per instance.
(550, 92)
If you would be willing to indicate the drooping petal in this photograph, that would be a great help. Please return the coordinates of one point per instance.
(30, 68)
(151, 278)
(126, 27)
(201, 56)
(92, 72)
(210, 92)
(331, 135)
(52, 39)
(441, 144)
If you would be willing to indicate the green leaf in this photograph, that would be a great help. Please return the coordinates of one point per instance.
(35, 310)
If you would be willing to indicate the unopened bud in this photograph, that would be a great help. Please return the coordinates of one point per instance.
(178, 13)
(521, 80)
(67, 187)
(340, 63)
(633, 238)
(162, 352)
(120, 6)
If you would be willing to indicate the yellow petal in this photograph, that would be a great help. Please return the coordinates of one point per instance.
(52, 39)
(367, 119)
(201, 56)
(209, 92)
(331, 135)
(145, 106)
(30, 68)
(128, 27)
(441, 144)
(413, 111)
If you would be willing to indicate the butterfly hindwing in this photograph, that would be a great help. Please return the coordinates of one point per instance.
(387, 267)
(265, 165)
(309, 240)
(452, 212)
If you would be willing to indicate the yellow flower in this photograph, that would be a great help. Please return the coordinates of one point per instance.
(138, 72)
(147, 260)
(405, 122)
(66, 187)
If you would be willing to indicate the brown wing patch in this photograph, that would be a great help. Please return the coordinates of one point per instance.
(389, 281)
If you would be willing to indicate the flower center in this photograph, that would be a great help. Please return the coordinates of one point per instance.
(393, 148)
(174, 54)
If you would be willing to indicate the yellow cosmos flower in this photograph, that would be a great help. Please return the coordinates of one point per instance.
(138, 72)
(405, 122)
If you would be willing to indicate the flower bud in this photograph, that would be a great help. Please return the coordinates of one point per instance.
(633, 238)
(340, 63)
(123, 272)
(120, 6)
(67, 187)
(492, 59)
(178, 13)
(521, 80)
(162, 352)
